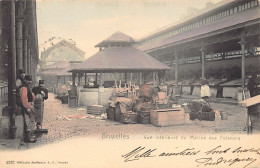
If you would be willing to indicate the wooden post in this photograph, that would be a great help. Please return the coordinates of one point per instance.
(203, 49)
(247, 121)
(243, 73)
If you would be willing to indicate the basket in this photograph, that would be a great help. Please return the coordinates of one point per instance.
(207, 116)
(199, 106)
(64, 99)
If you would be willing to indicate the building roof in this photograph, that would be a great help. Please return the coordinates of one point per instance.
(116, 59)
(64, 72)
(233, 20)
(117, 37)
(62, 43)
(58, 65)
(206, 11)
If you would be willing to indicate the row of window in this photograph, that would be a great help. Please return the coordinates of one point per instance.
(210, 19)
(217, 56)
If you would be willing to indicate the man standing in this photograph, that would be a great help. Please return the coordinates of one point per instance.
(41, 94)
(26, 96)
(252, 85)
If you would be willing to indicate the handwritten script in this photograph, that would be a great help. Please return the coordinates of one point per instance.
(217, 156)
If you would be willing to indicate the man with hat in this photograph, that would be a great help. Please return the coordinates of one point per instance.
(41, 94)
(26, 96)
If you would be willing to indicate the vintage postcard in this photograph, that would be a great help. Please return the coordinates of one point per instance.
(129, 83)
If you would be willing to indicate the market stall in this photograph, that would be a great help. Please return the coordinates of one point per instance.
(121, 72)
(116, 56)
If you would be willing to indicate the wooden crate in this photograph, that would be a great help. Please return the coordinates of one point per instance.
(95, 109)
(167, 117)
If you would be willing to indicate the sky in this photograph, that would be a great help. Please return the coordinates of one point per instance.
(88, 22)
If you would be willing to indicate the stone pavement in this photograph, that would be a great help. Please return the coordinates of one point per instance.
(66, 123)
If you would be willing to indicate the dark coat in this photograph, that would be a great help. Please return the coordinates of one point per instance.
(39, 89)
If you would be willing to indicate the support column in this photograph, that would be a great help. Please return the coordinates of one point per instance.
(25, 47)
(19, 41)
(243, 71)
(115, 78)
(96, 78)
(74, 79)
(25, 55)
(125, 77)
(159, 77)
(131, 77)
(73, 91)
(176, 68)
(101, 78)
(140, 77)
(144, 77)
(203, 49)
(13, 78)
(57, 80)
(85, 79)
(28, 61)
(101, 89)
(73, 94)
(154, 73)
(79, 79)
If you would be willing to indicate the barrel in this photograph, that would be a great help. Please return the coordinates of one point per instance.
(129, 117)
(224, 115)
(144, 117)
(111, 113)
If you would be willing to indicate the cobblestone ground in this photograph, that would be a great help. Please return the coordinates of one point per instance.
(60, 128)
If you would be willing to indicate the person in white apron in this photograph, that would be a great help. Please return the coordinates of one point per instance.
(205, 90)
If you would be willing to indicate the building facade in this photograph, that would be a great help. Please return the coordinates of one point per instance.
(222, 41)
(18, 50)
